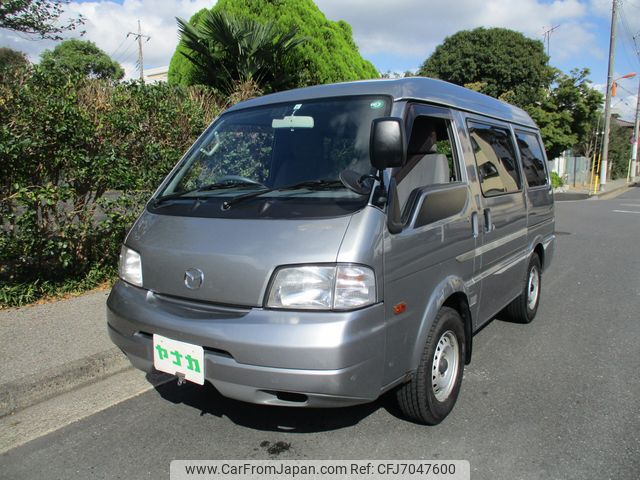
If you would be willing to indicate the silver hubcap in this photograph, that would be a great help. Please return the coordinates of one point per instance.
(533, 288)
(445, 366)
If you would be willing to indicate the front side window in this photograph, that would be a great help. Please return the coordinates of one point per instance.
(532, 159)
(287, 153)
(495, 159)
(431, 158)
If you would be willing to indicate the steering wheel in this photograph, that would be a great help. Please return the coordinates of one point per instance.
(238, 178)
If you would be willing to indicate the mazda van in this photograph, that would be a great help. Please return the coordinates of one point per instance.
(322, 246)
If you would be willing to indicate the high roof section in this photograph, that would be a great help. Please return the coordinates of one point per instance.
(413, 88)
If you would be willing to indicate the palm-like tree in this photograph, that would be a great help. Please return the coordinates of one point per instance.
(226, 50)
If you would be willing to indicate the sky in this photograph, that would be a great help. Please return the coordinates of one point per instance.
(395, 35)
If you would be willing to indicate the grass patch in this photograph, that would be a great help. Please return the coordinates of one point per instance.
(24, 293)
(556, 180)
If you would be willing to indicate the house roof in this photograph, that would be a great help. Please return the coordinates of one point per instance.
(622, 123)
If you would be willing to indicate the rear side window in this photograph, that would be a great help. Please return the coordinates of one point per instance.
(532, 159)
(496, 160)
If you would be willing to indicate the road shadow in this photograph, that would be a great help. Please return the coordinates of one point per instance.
(209, 401)
(570, 196)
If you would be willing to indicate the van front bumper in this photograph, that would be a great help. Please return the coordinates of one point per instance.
(326, 359)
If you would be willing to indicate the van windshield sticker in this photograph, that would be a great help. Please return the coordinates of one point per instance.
(376, 104)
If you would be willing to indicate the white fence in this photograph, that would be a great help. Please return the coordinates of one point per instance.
(573, 170)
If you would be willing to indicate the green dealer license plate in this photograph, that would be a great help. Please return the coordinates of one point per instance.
(179, 358)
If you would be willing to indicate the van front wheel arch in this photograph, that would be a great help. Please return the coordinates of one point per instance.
(432, 392)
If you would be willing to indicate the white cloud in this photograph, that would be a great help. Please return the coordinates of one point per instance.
(407, 30)
(107, 24)
(410, 28)
(602, 8)
(573, 38)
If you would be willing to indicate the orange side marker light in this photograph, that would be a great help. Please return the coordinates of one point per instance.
(400, 308)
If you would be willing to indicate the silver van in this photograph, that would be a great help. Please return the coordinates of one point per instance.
(321, 246)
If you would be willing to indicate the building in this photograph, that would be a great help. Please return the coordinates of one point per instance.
(158, 74)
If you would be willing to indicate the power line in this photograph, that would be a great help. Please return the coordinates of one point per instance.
(131, 58)
(629, 37)
(635, 43)
(621, 100)
(112, 54)
(125, 52)
(628, 91)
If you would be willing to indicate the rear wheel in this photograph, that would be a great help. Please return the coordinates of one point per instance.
(524, 308)
(431, 394)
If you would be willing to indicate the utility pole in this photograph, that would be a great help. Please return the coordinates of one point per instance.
(633, 172)
(634, 145)
(607, 103)
(547, 36)
(139, 36)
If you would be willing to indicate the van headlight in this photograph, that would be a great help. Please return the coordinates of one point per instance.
(322, 287)
(130, 266)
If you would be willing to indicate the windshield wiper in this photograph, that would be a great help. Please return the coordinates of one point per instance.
(310, 184)
(204, 188)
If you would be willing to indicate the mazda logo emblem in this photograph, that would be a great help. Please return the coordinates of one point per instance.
(193, 278)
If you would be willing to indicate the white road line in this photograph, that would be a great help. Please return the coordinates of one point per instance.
(624, 211)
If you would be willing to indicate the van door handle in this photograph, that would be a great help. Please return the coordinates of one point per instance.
(475, 227)
(488, 223)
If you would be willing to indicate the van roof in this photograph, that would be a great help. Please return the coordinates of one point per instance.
(413, 88)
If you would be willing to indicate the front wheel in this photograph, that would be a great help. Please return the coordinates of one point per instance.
(524, 308)
(431, 394)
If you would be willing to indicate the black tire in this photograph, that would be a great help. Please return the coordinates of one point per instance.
(521, 310)
(420, 400)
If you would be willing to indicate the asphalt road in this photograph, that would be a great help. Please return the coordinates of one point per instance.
(556, 399)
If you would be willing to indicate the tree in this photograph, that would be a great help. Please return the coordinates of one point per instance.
(10, 59)
(82, 57)
(574, 95)
(514, 68)
(394, 75)
(567, 113)
(619, 147)
(499, 62)
(37, 17)
(65, 140)
(226, 51)
(328, 55)
(181, 69)
(555, 126)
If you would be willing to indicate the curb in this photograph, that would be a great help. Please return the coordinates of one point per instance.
(573, 196)
(27, 391)
(616, 191)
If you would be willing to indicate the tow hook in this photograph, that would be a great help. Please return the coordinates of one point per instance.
(181, 380)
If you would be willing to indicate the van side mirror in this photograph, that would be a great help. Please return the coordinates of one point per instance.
(387, 143)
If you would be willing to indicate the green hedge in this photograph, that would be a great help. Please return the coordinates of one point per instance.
(78, 157)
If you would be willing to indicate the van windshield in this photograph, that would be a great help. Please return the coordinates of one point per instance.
(285, 153)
